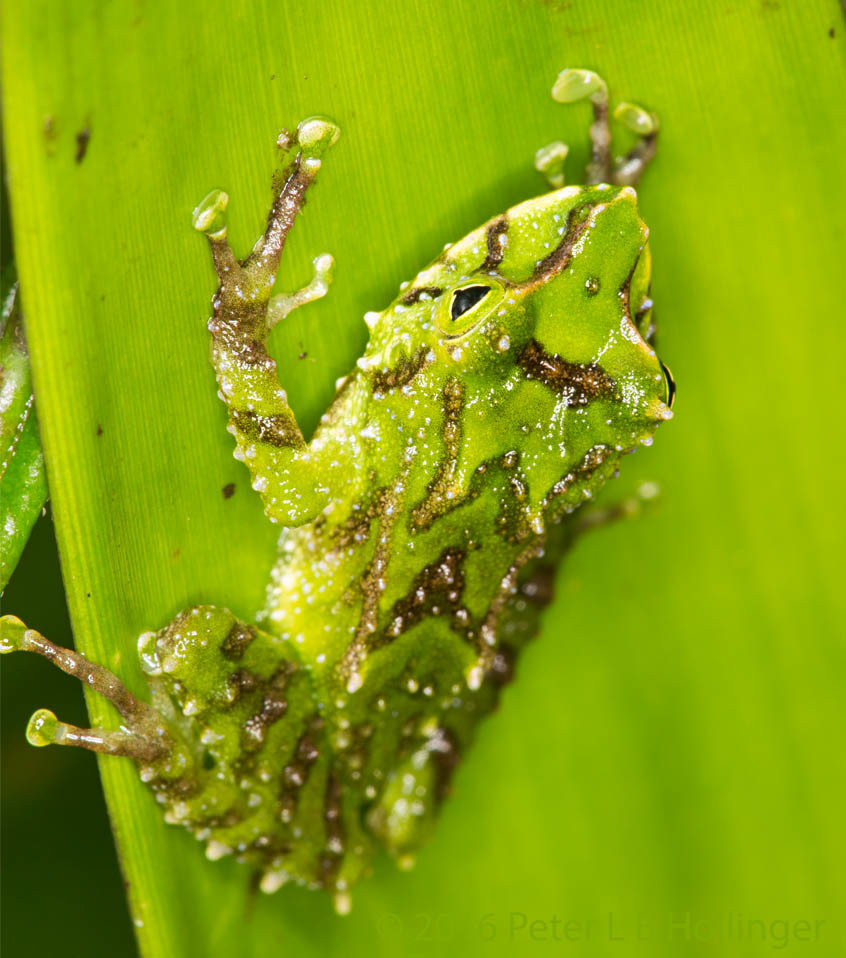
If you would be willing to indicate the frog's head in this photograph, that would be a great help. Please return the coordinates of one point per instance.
(542, 316)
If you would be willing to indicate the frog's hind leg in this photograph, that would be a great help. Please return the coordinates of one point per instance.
(573, 85)
(268, 438)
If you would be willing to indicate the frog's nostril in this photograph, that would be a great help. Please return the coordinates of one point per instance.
(671, 385)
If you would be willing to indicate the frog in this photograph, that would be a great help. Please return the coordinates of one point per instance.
(421, 525)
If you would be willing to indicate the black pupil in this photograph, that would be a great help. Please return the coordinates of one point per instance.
(464, 299)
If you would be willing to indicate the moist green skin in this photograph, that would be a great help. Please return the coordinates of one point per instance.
(423, 523)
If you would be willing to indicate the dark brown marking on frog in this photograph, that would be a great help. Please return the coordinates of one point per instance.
(278, 431)
(241, 682)
(411, 296)
(579, 383)
(273, 706)
(237, 639)
(355, 530)
(436, 590)
(295, 774)
(591, 461)
(436, 502)
(333, 854)
(496, 236)
(578, 220)
(384, 380)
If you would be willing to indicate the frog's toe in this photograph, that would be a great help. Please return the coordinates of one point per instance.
(637, 119)
(572, 85)
(209, 215)
(284, 303)
(549, 160)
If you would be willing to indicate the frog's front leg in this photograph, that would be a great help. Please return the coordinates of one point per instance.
(285, 471)
(573, 85)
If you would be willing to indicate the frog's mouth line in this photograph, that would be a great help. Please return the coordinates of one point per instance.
(671, 384)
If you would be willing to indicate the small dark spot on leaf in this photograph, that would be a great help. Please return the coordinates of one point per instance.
(50, 133)
(177, 552)
(272, 76)
(88, 594)
(228, 490)
(82, 139)
(99, 429)
(592, 285)
(831, 33)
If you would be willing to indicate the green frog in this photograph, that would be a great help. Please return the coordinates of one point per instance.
(421, 524)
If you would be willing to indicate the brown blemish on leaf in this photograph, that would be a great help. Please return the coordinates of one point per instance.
(50, 134)
(228, 490)
(82, 139)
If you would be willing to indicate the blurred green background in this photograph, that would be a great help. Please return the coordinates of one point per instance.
(669, 764)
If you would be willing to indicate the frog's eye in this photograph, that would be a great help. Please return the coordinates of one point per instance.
(467, 306)
(465, 299)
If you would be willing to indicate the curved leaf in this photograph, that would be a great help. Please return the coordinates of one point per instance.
(23, 485)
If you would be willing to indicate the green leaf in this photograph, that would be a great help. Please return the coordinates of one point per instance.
(23, 486)
(670, 745)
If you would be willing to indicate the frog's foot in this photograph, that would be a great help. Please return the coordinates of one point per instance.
(250, 281)
(573, 85)
(549, 160)
(143, 735)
